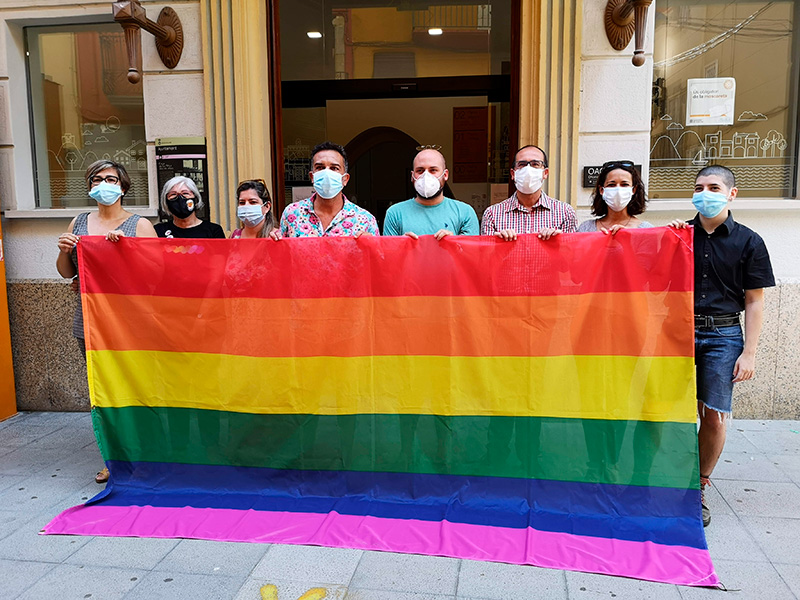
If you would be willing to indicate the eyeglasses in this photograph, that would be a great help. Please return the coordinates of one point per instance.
(436, 147)
(536, 164)
(174, 196)
(112, 179)
(618, 163)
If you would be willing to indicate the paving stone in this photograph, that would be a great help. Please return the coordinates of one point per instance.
(487, 580)
(27, 462)
(789, 464)
(25, 433)
(359, 594)
(760, 498)
(12, 521)
(25, 543)
(213, 558)
(775, 442)
(308, 563)
(778, 538)
(406, 573)
(157, 585)
(68, 582)
(737, 443)
(776, 425)
(745, 580)
(716, 503)
(791, 576)
(18, 576)
(128, 553)
(729, 539)
(36, 494)
(586, 586)
(291, 590)
(748, 467)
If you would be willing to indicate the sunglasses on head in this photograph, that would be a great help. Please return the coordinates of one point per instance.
(261, 181)
(617, 163)
(429, 147)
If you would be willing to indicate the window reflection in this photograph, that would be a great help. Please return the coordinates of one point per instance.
(755, 44)
(83, 109)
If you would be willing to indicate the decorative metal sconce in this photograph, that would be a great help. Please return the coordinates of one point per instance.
(167, 31)
(623, 18)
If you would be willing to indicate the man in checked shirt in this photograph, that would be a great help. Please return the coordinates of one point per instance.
(529, 210)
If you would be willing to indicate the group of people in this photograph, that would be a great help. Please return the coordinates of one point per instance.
(732, 265)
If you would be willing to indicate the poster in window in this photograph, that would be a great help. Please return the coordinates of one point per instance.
(710, 101)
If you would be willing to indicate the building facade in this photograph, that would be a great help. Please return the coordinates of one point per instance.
(260, 82)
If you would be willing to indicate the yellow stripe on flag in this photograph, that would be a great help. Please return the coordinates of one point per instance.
(593, 387)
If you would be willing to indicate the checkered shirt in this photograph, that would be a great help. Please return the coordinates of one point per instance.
(547, 212)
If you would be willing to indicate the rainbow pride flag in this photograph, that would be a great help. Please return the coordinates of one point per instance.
(528, 402)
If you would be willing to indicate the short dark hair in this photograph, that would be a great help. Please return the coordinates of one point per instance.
(639, 199)
(329, 146)
(514, 164)
(260, 188)
(724, 173)
(103, 164)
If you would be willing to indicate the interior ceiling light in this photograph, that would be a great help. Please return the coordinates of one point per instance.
(314, 35)
(435, 31)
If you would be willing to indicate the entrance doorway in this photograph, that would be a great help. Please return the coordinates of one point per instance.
(382, 79)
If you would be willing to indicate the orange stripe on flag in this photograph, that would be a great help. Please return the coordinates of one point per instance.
(432, 326)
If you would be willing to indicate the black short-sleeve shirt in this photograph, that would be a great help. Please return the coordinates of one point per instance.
(727, 262)
(205, 229)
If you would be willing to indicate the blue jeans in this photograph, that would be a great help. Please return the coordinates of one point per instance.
(715, 354)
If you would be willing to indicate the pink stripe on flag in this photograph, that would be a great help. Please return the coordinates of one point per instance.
(643, 560)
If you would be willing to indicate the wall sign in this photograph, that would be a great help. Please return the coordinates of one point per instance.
(183, 156)
(591, 173)
(710, 101)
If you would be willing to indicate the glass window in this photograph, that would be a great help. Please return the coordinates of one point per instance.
(725, 92)
(337, 39)
(83, 109)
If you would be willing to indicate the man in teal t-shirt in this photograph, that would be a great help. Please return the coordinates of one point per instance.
(430, 212)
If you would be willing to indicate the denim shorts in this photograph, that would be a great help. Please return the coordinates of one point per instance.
(716, 351)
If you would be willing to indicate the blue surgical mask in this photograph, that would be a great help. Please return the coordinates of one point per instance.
(328, 183)
(105, 193)
(709, 204)
(250, 214)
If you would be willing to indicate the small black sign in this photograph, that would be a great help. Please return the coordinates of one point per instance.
(590, 174)
(183, 156)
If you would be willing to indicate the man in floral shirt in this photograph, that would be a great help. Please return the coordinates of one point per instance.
(327, 212)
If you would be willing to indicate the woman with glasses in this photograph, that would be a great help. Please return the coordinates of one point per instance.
(181, 199)
(254, 209)
(107, 182)
(617, 200)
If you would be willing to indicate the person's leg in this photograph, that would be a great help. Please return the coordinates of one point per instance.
(710, 438)
(716, 351)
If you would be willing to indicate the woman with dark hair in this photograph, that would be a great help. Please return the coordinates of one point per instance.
(254, 209)
(181, 199)
(108, 182)
(617, 199)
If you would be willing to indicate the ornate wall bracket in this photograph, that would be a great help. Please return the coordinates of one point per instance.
(167, 31)
(623, 18)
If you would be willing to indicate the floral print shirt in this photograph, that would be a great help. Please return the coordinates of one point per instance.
(300, 220)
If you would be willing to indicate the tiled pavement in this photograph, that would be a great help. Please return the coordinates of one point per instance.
(47, 461)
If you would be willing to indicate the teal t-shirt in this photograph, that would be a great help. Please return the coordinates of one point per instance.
(410, 215)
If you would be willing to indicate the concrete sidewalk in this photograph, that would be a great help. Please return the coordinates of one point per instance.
(48, 461)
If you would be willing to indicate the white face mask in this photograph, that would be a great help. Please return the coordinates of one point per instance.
(428, 185)
(528, 179)
(250, 214)
(617, 198)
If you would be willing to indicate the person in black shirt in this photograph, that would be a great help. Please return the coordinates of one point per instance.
(181, 199)
(731, 270)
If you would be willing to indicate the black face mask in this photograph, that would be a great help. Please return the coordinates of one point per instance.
(181, 207)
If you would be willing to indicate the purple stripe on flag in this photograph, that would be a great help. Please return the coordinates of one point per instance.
(644, 560)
